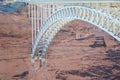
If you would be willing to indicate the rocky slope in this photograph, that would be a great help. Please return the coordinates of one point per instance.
(75, 53)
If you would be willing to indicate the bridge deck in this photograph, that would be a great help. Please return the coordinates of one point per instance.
(68, 1)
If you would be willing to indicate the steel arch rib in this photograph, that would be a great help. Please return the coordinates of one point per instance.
(77, 12)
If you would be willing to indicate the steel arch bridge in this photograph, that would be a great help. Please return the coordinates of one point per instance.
(61, 17)
(48, 18)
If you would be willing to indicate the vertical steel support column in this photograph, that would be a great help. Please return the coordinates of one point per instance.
(108, 7)
(45, 12)
(39, 8)
(97, 5)
(32, 16)
(49, 10)
(102, 22)
(53, 8)
(37, 19)
(41, 15)
(29, 8)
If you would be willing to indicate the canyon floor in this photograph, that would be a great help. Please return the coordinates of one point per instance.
(95, 56)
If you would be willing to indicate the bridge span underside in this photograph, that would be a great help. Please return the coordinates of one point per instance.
(48, 19)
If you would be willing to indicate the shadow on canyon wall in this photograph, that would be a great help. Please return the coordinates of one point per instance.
(101, 72)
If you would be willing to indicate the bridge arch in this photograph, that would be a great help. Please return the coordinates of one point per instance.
(61, 17)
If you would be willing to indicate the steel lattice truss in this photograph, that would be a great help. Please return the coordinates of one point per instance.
(49, 17)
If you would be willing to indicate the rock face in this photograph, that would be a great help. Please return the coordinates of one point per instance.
(68, 57)
(15, 46)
